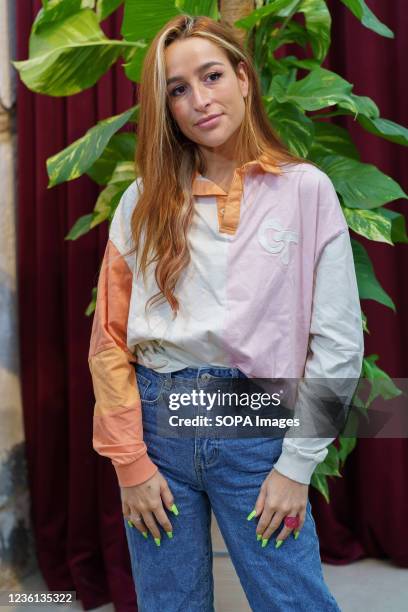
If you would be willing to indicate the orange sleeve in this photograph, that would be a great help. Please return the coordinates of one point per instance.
(117, 420)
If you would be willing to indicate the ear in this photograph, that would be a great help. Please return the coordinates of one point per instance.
(242, 75)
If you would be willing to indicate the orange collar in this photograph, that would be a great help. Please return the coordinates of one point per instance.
(229, 203)
(208, 187)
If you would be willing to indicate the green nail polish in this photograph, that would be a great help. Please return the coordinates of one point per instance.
(296, 534)
(144, 534)
(264, 542)
(251, 515)
(258, 536)
(157, 541)
(130, 524)
(278, 543)
(174, 509)
(170, 534)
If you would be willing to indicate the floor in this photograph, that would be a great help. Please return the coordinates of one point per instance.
(371, 584)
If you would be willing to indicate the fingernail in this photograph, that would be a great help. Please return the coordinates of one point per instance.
(157, 541)
(264, 542)
(130, 524)
(170, 534)
(296, 534)
(144, 534)
(278, 543)
(258, 536)
(174, 509)
(251, 515)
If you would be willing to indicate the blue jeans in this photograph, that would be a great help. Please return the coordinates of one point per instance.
(225, 475)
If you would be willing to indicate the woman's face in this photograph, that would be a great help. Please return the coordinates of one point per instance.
(197, 90)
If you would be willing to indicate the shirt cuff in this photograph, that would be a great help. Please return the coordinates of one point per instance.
(294, 466)
(135, 473)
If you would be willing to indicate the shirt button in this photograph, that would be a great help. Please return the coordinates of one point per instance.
(222, 210)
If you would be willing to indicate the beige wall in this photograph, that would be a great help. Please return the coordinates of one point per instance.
(16, 557)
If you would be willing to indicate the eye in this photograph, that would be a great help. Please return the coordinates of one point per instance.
(216, 74)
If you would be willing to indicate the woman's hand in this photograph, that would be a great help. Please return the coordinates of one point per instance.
(279, 497)
(146, 500)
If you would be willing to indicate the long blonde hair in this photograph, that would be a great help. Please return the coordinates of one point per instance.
(166, 160)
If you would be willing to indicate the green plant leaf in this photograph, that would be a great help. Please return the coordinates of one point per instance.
(319, 482)
(365, 322)
(317, 90)
(104, 8)
(360, 105)
(142, 19)
(318, 24)
(68, 56)
(347, 445)
(72, 162)
(275, 7)
(381, 384)
(369, 287)
(56, 11)
(369, 223)
(80, 227)
(385, 129)
(209, 8)
(92, 304)
(398, 229)
(381, 224)
(331, 138)
(133, 68)
(360, 185)
(292, 125)
(107, 201)
(121, 147)
(330, 466)
(367, 17)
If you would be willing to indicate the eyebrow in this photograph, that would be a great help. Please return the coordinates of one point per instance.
(199, 69)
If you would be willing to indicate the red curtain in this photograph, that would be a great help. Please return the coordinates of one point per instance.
(76, 510)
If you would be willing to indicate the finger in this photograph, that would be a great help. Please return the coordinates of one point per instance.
(138, 523)
(302, 518)
(151, 524)
(167, 496)
(163, 520)
(272, 527)
(265, 519)
(282, 535)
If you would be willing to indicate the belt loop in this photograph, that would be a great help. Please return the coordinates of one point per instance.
(167, 380)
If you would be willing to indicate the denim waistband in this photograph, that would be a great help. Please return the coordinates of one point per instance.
(202, 372)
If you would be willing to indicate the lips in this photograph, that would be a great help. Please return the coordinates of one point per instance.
(204, 119)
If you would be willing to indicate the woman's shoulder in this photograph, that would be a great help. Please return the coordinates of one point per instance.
(120, 227)
(308, 173)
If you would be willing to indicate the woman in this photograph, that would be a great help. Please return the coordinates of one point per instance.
(228, 259)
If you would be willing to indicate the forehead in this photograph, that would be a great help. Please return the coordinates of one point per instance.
(185, 56)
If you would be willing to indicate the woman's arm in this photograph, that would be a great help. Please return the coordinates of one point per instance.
(117, 421)
(336, 348)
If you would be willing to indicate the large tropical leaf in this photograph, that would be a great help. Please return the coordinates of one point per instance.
(317, 90)
(318, 24)
(368, 286)
(68, 56)
(58, 10)
(367, 17)
(143, 18)
(121, 147)
(360, 185)
(72, 162)
(199, 7)
(331, 138)
(369, 223)
(104, 8)
(389, 130)
(293, 126)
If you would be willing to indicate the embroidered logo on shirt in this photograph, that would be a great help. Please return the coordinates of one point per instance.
(276, 242)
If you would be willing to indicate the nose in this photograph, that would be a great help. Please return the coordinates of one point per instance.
(200, 97)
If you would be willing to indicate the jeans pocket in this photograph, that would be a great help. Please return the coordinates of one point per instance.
(150, 390)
